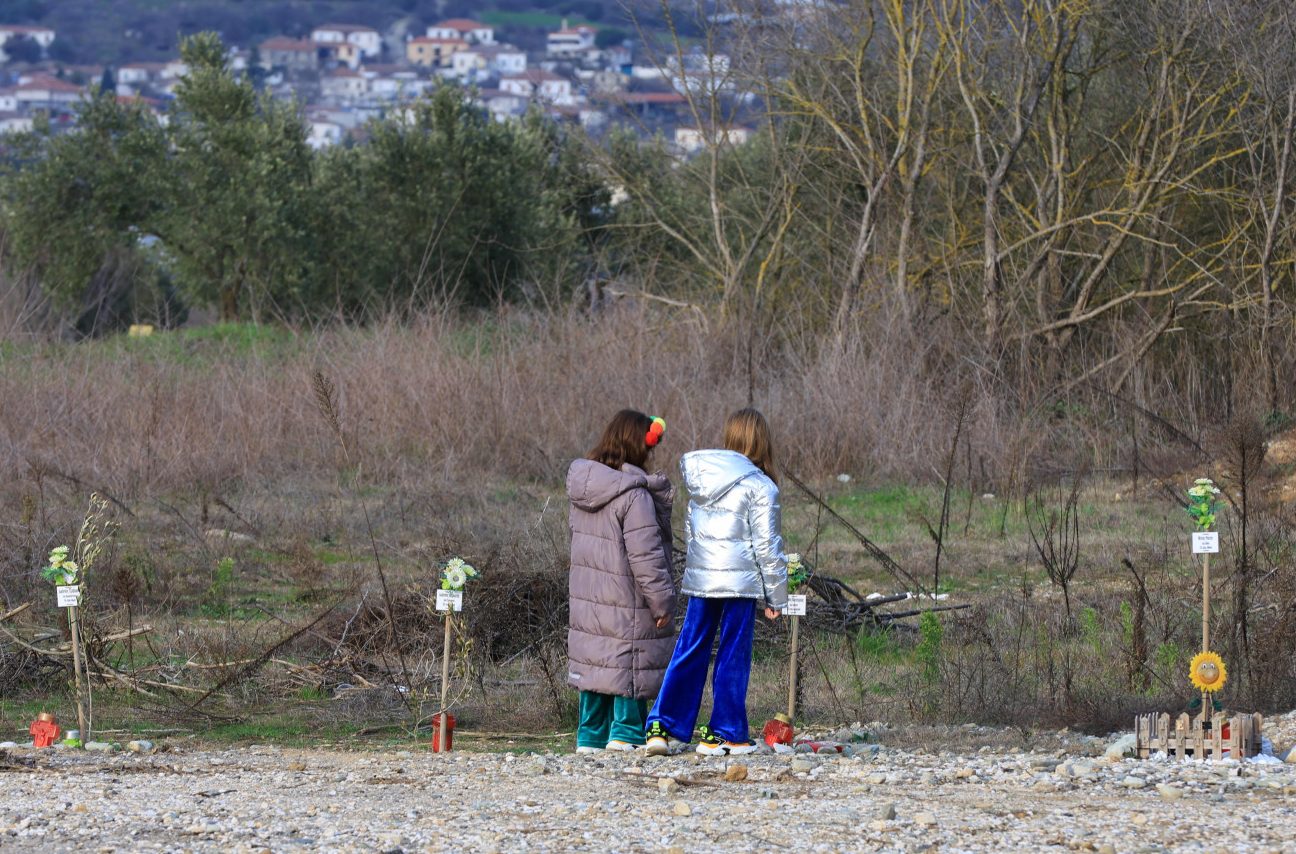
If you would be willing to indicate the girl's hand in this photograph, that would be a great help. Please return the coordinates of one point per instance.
(662, 622)
(771, 614)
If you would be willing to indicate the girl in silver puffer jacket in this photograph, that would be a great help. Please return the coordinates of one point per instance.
(735, 560)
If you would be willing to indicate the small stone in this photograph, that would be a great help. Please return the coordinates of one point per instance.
(667, 785)
(1132, 782)
(1139, 818)
(675, 849)
(682, 809)
(803, 766)
(296, 766)
(964, 773)
(100, 747)
(735, 773)
(8, 744)
(924, 819)
(886, 812)
(1169, 793)
(1290, 758)
(1122, 747)
(879, 824)
(140, 746)
(1106, 848)
(393, 841)
(534, 769)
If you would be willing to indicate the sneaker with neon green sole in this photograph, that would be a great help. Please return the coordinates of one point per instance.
(711, 744)
(658, 740)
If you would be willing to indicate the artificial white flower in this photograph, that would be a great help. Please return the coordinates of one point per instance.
(456, 576)
(455, 563)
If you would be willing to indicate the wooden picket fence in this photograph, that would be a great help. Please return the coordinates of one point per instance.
(1185, 736)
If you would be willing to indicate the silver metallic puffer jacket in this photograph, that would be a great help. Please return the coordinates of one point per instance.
(734, 530)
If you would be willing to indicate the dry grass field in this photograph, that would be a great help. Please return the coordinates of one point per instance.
(251, 536)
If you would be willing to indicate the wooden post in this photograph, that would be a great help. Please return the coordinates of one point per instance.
(445, 684)
(792, 681)
(76, 670)
(1205, 647)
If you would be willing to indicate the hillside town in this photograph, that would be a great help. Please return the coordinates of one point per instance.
(345, 74)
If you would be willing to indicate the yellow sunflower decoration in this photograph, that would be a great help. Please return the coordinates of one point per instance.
(1207, 672)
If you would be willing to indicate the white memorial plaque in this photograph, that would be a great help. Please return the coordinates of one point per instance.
(449, 600)
(796, 606)
(1205, 542)
(69, 595)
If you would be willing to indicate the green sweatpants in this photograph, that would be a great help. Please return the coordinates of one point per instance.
(604, 718)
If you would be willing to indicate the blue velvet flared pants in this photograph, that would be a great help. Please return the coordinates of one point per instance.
(681, 692)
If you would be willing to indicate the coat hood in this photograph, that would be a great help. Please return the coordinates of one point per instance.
(591, 485)
(710, 474)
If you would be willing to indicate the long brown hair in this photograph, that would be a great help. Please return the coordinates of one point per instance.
(625, 440)
(747, 432)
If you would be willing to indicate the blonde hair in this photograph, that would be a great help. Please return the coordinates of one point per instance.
(747, 432)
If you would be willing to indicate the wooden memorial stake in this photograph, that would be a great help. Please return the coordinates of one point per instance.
(1205, 647)
(445, 682)
(792, 681)
(76, 670)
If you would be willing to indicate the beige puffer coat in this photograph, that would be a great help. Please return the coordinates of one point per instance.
(620, 579)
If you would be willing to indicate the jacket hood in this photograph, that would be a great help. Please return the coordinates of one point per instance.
(592, 485)
(710, 474)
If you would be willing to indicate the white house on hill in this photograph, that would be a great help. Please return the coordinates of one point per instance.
(539, 84)
(480, 62)
(473, 32)
(366, 39)
(570, 41)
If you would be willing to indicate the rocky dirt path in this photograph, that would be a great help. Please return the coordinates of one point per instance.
(278, 799)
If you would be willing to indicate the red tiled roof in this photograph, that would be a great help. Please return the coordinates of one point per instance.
(463, 25)
(432, 40)
(44, 81)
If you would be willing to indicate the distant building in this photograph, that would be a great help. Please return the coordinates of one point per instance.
(11, 122)
(344, 84)
(291, 54)
(348, 54)
(570, 42)
(324, 131)
(433, 51)
(366, 39)
(138, 75)
(691, 140)
(43, 36)
(472, 32)
(43, 92)
(480, 62)
(539, 84)
(8, 101)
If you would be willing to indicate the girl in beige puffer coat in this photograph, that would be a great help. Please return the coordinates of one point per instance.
(620, 637)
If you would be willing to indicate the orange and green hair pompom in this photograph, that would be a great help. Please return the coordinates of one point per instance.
(655, 431)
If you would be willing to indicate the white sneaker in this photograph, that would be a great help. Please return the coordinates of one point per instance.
(657, 746)
(622, 746)
(584, 748)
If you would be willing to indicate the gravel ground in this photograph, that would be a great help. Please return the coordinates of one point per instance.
(886, 798)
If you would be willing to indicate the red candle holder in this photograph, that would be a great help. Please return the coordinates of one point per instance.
(44, 730)
(778, 730)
